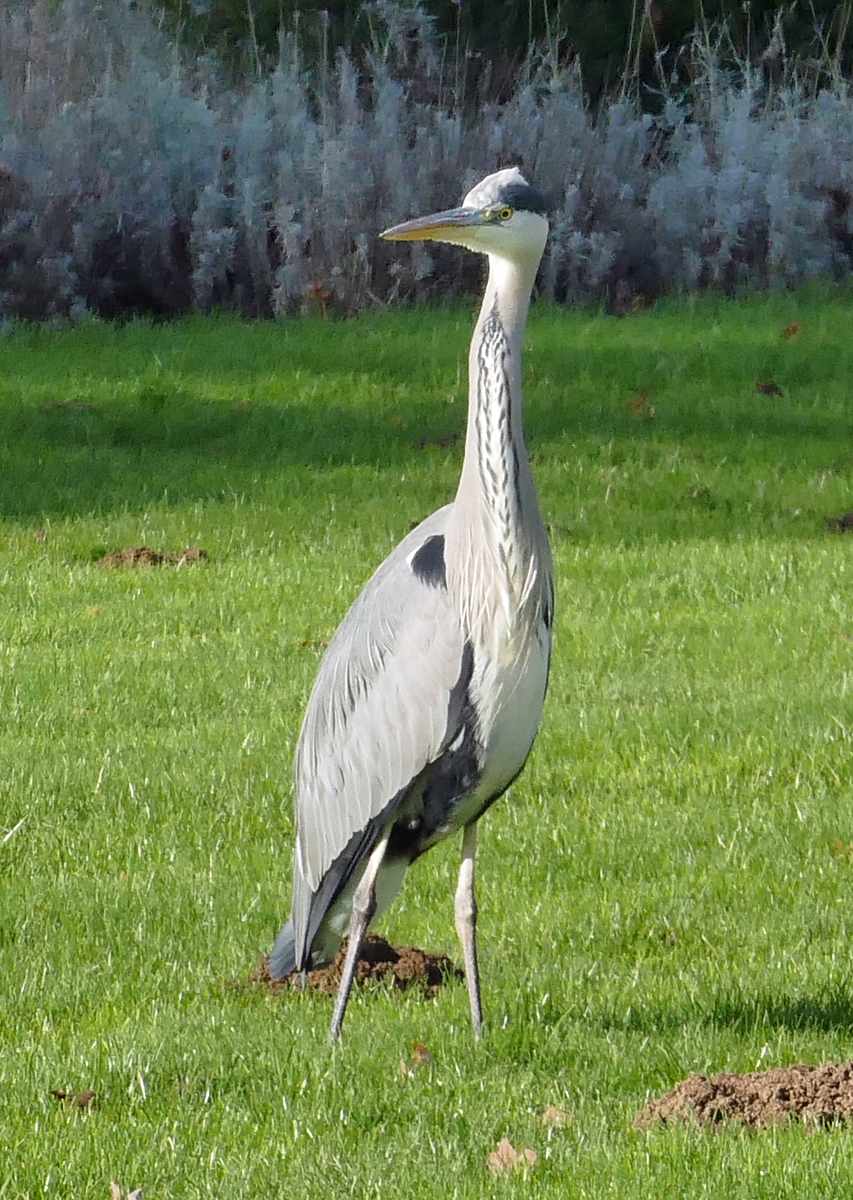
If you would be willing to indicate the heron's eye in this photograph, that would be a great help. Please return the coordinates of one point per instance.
(494, 215)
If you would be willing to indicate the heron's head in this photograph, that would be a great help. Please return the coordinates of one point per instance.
(502, 216)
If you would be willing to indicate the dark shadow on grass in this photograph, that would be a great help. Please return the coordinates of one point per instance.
(827, 1011)
(66, 456)
(60, 462)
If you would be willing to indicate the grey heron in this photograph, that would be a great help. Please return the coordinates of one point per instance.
(429, 697)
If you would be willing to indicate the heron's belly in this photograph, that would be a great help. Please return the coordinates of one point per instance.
(510, 706)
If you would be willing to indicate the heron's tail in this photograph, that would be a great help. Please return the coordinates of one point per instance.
(283, 957)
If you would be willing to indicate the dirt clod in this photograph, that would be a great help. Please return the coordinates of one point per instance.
(840, 524)
(421, 1057)
(68, 405)
(440, 441)
(142, 556)
(820, 1095)
(402, 965)
(78, 1100)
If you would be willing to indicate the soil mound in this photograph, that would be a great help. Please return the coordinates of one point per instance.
(401, 965)
(142, 556)
(815, 1095)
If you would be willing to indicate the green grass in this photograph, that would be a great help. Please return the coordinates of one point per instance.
(666, 889)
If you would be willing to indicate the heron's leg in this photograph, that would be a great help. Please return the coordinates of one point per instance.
(466, 924)
(363, 908)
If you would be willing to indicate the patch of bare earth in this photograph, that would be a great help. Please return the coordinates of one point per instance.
(400, 965)
(842, 524)
(142, 556)
(814, 1095)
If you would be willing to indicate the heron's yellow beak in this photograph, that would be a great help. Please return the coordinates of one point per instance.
(437, 225)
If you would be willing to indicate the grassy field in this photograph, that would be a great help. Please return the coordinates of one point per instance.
(666, 889)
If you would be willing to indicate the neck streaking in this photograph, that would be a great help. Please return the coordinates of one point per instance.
(498, 560)
(497, 452)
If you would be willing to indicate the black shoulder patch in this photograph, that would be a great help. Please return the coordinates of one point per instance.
(428, 562)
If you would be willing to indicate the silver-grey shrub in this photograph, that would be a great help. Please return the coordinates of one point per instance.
(134, 180)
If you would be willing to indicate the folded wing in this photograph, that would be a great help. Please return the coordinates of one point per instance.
(382, 709)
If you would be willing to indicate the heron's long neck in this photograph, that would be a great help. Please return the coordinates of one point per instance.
(497, 550)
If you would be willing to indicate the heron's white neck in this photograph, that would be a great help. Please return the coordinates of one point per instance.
(496, 547)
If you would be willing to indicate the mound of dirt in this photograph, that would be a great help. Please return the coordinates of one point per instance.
(402, 965)
(815, 1095)
(141, 556)
(840, 524)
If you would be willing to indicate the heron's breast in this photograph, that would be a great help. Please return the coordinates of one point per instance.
(508, 699)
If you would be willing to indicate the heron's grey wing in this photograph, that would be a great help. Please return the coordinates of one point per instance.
(379, 712)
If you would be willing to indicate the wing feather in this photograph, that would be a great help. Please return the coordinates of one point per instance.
(378, 713)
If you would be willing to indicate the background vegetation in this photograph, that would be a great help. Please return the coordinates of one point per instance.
(666, 889)
(615, 41)
(136, 176)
